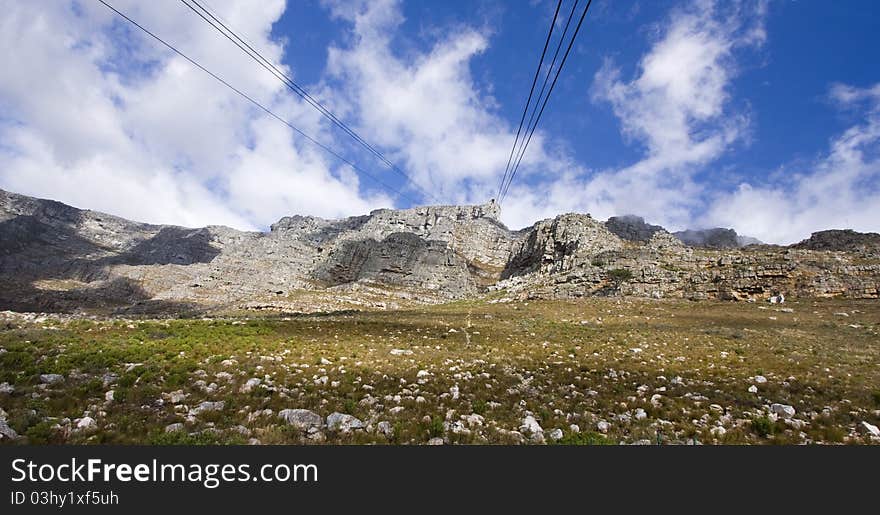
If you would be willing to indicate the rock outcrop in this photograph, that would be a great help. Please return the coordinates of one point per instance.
(845, 240)
(55, 257)
(632, 228)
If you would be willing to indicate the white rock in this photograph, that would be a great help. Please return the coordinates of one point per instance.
(177, 397)
(530, 425)
(760, 379)
(782, 410)
(753, 389)
(6, 432)
(7, 388)
(718, 431)
(385, 428)
(86, 423)
(574, 428)
(51, 378)
(302, 419)
(401, 352)
(343, 422)
(325, 361)
(177, 426)
(422, 373)
(555, 434)
(108, 395)
(641, 414)
(435, 441)
(249, 385)
(208, 406)
(870, 429)
(454, 392)
(603, 426)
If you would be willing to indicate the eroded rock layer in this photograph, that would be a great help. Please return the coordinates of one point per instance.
(55, 257)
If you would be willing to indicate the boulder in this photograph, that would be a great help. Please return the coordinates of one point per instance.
(51, 378)
(302, 419)
(782, 410)
(343, 423)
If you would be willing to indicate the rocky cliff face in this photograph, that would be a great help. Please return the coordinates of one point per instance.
(57, 258)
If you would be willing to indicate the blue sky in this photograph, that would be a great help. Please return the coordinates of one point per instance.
(757, 115)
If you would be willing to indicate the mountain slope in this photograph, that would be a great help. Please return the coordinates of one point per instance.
(55, 257)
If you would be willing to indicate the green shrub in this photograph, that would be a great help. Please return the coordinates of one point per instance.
(620, 275)
(585, 438)
(763, 426)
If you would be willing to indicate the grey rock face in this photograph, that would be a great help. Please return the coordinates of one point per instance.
(58, 258)
(717, 238)
(842, 240)
(632, 228)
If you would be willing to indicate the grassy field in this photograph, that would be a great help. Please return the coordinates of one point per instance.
(594, 371)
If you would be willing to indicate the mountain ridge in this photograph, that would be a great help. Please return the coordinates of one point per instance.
(56, 257)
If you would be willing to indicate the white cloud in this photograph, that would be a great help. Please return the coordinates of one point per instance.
(98, 116)
(841, 190)
(102, 117)
(428, 110)
(677, 108)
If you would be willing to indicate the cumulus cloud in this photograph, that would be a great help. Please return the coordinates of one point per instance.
(841, 190)
(102, 117)
(425, 107)
(677, 108)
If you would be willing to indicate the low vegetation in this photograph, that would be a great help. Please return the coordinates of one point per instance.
(592, 371)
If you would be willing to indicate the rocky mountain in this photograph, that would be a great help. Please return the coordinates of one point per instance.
(634, 228)
(716, 238)
(845, 240)
(55, 257)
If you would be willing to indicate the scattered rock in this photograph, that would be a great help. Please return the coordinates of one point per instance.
(302, 419)
(782, 410)
(171, 428)
(753, 389)
(869, 429)
(51, 378)
(85, 424)
(109, 395)
(435, 441)
(177, 397)
(401, 352)
(6, 432)
(603, 426)
(208, 406)
(385, 428)
(555, 434)
(249, 385)
(343, 423)
(530, 425)
(6, 388)
(760, 379)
